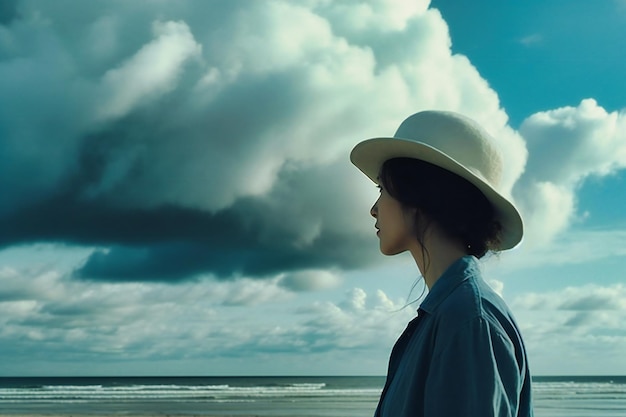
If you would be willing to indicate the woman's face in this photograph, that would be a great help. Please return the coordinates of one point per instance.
(394, 224)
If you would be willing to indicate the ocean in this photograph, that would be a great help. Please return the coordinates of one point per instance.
(270, 396)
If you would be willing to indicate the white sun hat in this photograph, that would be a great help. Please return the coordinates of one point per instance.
(455, 143)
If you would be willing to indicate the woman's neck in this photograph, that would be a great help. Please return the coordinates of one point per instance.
(438, 254)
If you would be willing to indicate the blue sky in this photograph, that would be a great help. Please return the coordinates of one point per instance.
(541, 55)
(178, 199)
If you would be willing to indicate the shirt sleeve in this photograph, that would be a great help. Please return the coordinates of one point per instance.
(474, 373)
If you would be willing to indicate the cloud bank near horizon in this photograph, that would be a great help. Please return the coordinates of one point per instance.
(98, 324)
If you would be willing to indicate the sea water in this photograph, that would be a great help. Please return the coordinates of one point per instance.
(580, 396)
(271, 396)
(214, 396)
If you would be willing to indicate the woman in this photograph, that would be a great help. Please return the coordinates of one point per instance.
(463, 354)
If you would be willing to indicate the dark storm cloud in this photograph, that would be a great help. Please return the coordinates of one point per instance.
(298, 224)
(177, 261)
(255, 236)
(289, 228)
(173, 243)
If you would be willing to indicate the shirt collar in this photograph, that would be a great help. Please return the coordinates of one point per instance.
(459, 271)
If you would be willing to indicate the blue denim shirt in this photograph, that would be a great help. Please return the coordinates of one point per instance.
(462, 356)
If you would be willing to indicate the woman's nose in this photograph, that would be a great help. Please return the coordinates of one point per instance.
(374, 210)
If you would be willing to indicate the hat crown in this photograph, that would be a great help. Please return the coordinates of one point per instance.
(457, 136)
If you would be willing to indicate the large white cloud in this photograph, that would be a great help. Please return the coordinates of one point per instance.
(201, 104)
(566, 147)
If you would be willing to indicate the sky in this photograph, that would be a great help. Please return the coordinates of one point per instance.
(177, 197)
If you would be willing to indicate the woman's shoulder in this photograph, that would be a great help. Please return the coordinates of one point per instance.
(471, 299)
(463, 303)
(473, 304)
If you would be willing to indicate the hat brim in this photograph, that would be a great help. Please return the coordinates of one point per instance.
(370, 155)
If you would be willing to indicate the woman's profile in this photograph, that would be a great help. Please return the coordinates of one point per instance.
(463, 355)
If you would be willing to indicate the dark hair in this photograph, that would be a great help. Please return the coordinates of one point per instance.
(453, 203)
